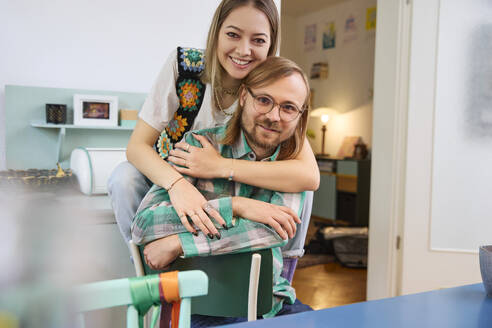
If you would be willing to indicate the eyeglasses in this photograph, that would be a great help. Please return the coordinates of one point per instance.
(264, 104)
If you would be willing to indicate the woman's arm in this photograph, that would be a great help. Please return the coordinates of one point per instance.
(186, 199)
(141, 154)
(295, 175)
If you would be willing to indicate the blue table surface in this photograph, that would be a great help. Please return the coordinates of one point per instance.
(466, 306)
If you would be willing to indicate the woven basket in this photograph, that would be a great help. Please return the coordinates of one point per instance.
(35, 178)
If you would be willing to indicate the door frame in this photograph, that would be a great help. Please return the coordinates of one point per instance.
(388, 169)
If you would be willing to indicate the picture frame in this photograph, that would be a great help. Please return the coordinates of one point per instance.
(95, 110)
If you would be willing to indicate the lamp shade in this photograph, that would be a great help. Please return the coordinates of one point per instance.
(319, 112)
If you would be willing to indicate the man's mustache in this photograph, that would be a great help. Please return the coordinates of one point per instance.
(267, 123)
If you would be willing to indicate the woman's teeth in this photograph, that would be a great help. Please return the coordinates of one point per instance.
(240, 62)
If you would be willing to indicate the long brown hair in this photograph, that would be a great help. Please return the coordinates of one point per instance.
(214, 72)
(271, 70)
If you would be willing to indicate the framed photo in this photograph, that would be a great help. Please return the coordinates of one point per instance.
(95, 110)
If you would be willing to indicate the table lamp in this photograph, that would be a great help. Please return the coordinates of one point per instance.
(324, 114)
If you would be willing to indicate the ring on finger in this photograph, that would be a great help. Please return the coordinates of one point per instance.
(208, 208)
(187, 147)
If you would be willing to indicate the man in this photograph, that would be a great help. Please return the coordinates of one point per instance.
(269, 124)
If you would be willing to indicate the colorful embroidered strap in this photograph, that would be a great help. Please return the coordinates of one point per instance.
(190, 91)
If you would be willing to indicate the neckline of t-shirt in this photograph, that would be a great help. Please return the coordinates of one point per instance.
(231, 108)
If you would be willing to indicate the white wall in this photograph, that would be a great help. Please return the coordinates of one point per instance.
(349, 86)
(116, 45)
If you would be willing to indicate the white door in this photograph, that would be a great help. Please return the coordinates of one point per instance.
(448, 208)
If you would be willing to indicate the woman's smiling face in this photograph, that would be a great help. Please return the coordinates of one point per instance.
(244, 41)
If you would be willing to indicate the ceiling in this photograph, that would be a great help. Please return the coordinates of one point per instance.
(301, 7)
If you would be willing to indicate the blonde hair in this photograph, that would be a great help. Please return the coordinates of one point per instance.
(271, 70)
(213, 71)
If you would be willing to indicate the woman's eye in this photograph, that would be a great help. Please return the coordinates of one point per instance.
(232, 35)
(259, 41)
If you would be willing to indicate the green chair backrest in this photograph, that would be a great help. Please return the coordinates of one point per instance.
(139, 294)
(228, 283)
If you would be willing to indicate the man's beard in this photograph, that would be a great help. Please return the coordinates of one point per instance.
(256, 142)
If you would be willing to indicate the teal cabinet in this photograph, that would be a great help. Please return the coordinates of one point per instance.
(324, 202)
(344, 191)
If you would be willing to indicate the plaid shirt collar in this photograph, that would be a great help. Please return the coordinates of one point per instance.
(241, 150)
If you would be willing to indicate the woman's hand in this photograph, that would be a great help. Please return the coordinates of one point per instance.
(281, 218)
(189, 202)
(205, 163)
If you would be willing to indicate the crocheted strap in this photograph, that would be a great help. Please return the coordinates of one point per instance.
(190, 91)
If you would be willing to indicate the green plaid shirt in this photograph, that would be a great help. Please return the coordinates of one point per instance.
(156, 217)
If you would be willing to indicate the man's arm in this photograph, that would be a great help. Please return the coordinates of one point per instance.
(248, 232)
(156, 217)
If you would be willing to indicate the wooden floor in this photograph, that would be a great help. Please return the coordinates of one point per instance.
(328, 285)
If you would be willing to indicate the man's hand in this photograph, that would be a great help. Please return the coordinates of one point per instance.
(281, 218)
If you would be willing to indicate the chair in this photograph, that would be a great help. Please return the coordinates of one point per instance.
(142, 293)
(237, 286)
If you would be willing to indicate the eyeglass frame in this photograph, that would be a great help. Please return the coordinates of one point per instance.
(275, 104)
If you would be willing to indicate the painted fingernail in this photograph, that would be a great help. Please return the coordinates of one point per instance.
(217, 235)
(210, 236)
(225, 227)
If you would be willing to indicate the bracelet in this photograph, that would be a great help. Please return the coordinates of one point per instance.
(231, 173)
(172, 184)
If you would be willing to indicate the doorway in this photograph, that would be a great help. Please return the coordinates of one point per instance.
(333, 41)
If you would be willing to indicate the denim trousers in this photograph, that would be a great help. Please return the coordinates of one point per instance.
(127, 187)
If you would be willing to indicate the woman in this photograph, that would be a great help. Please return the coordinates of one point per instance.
(242, 34)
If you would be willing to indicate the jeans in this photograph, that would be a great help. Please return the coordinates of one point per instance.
(127, 187)
(201, 321)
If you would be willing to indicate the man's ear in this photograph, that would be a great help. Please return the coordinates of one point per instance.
(242, 95)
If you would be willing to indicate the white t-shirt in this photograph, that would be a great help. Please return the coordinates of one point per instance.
(162, 102)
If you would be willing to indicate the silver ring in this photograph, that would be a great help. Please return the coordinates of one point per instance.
(187, 147)
(208, 208)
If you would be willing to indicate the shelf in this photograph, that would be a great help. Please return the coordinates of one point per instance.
(63, 127)
(42, 124)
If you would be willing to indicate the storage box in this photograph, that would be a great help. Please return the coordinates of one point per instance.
(128, 117)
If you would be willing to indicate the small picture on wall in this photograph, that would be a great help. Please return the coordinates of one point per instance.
(95, 110)
(310, 37)
(371, 18)
(319, 71)
(329, 35)
(350, 30)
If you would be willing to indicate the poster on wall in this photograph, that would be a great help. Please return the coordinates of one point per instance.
(329, 35)
(319, 71)
(310, 37)
(350, 29)
(371, 18)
